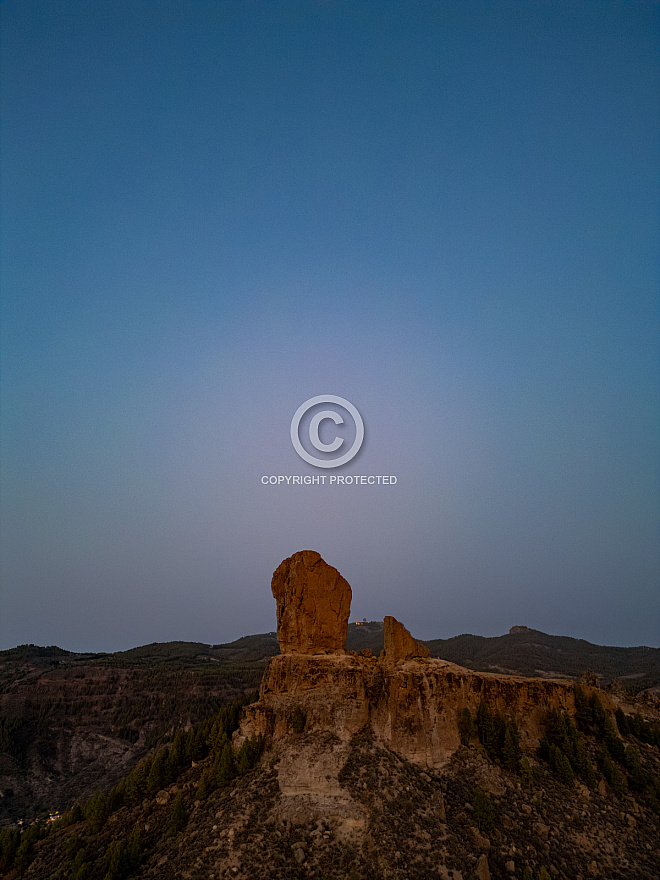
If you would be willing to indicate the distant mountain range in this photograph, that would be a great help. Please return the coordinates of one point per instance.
(522, 651)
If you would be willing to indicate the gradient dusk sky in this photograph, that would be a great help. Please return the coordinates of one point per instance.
(444, 212)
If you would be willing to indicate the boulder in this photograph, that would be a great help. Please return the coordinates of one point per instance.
(482, 871)
(399, 644)
(313, 605)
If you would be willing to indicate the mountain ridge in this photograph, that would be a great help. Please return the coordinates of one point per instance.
(525, 651)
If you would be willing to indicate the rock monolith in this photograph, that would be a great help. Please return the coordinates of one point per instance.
(399, 644)
(313, 605)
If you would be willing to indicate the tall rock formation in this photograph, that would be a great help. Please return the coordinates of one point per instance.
(399, 644)
(313, 605)
(409, 700)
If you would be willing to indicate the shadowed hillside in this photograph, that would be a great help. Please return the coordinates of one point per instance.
(530, 652)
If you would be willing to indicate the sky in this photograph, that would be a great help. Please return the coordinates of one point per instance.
(444, 213)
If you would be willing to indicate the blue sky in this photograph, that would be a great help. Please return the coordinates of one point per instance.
(444, 212)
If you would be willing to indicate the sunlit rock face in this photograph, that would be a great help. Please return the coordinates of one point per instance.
(399, 644)
(412, 706)
(410, 701)
(313, 605)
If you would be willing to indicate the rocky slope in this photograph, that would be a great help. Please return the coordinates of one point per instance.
(317, 808)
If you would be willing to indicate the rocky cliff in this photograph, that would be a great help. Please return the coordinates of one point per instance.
(412, 706)
(410, 701)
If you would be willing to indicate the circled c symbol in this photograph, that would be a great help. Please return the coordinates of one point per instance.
(314, 431)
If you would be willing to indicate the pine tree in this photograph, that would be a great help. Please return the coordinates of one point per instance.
(156, 778)
(511, 751)
(115, 861)
(178, 814)
(178, 751)
(226, 766)
(190, 746)
(638, 776)
(487, 730)
(611, 773)
(81, 868)
(24, 855)
(243, 763)
(9, 842)
(74, 845)
(580, 759)
(484, 815)
(499, 725)
(136, 783)
(563, 767)
(134, 848)
(598, 715)
(526, 773)
(216, 737)
(117, 797)
(466, 727)
(583, 766)
(256, 745)
(205, 786)
(218, 746)
(582, 709)
(199, 747)
(622, 722)
(169, 769)
(543, 751)
(613, 743)
(97, 811)
(74, 815)
(653, 793)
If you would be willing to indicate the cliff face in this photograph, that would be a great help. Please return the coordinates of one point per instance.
(412, 705)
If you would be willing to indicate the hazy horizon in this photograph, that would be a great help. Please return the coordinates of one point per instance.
(444, 213)
(352, 620)
(266, 632)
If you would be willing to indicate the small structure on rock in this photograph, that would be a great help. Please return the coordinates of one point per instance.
(313, 605)
(399, 644)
